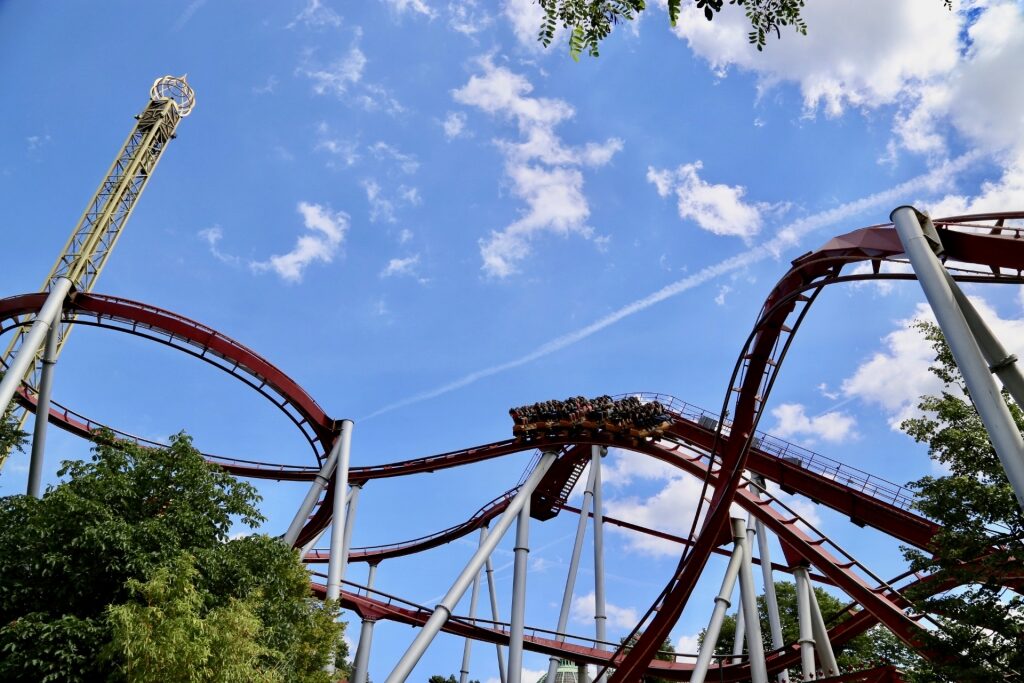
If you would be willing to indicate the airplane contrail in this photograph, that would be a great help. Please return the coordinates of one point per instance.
(787, 236)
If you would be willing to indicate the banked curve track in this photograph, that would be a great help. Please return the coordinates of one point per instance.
(714, 450)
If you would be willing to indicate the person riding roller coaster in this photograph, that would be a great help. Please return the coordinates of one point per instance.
(578, 415)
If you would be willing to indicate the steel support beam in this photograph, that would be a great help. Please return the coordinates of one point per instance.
(748, 598)
(574, 565)
(985, 394)
(443, 610)
(25, 358)
(768, 578)
(600, 614)
(495, 613)
(350, 522)
(1001, 362)
(361, 665)
(820, 632)
(707, 647)
(518, 618)
(336, 563)
(49, 359)
(312, 496)
(474, 596)
(806, 629)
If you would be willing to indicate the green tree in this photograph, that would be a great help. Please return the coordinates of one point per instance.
(867, 650)
(982, 536)
(442, 679)
(591, 21)
(130, 553)
(11, 437)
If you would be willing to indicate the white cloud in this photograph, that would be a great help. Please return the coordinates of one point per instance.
(34, 142)
(316, 15)
(454, 124)
(382, 207)
(909, 43)
(401, 266)
(525, 17)
(944, 70)
(718, 208)
(670, 510)
(327, 228)
(407, 163)
(267, 88)
(582, 610)
(792, 421)
(405, 236)
(345, 151)
(723, 291)
(543, 172)
(212, 236)
(415, 6)
(464, 18)
(688, 644)
(622, 467)
(895, 377)
(341, 75)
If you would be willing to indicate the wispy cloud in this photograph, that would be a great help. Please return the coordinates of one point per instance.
(316, 15)
(327, 232)
(212, 236)
(401, 266)
(187, 14)
(786, 237)
(400, 7)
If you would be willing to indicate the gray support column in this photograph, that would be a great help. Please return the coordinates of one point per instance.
(985, 394)
(755, 646)
(316, 539)
(464, 671)
(771, 601)
(313, 495)
(444, 609)
(25, 358)
(362, 662)
(740, 633)
(803, 613)
(600, 616)
(1002, 363)
(707, 647)
(495, 613)
(35, 470)
(350, 521)
(518, 618)
(821, 642)
(335, 564)
(574, 565)
(582, 673)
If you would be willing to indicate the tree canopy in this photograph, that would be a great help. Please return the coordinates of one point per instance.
(125, 571)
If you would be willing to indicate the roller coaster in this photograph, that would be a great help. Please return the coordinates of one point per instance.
(729, 455)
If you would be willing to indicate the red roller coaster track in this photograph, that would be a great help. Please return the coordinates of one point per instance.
(697, 442)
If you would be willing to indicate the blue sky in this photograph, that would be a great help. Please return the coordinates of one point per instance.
(425, 218)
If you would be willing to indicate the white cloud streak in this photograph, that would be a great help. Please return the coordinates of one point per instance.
(786, 237)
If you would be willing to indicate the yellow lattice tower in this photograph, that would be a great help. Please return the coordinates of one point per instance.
(87, 250)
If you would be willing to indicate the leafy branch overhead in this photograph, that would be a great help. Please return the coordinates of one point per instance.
(590, 21)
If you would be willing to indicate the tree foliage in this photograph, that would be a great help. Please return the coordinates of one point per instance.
(125, 572)
(665, 653)
(867, 650)
(982, 538)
